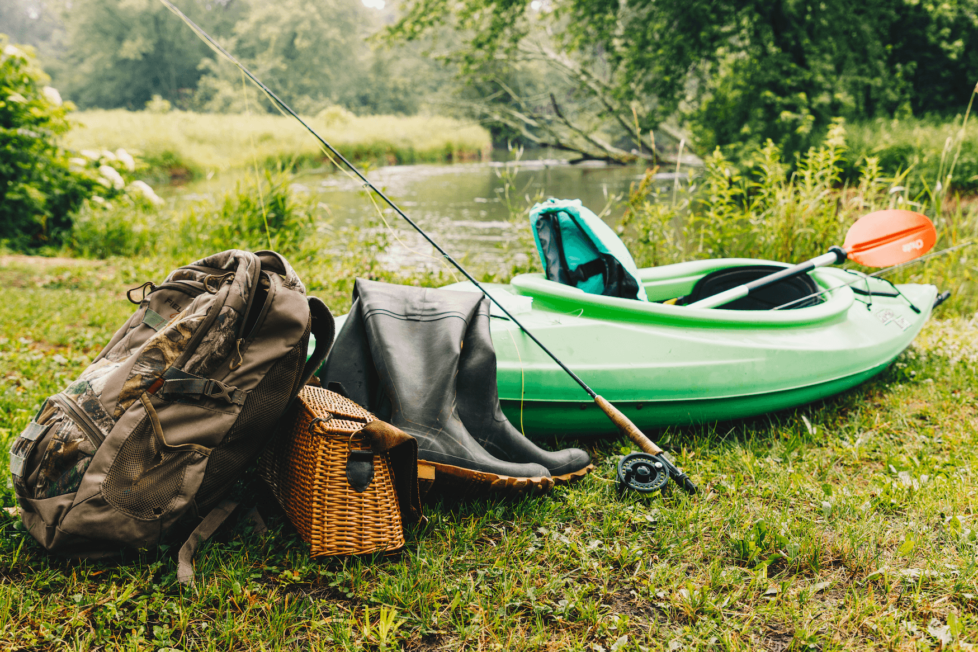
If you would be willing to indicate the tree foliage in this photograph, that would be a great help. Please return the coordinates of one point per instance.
(38, 188)
(739, 70)
(314, 53)
(120, 53)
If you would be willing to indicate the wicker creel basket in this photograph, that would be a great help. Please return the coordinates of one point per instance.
(347, 481)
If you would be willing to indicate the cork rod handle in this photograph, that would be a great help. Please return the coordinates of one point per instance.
(627, 427)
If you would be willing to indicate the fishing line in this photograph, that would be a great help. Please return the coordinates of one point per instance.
(214, 45)
(254, 157)
(286, 111)
(519, 357)
(862, 277)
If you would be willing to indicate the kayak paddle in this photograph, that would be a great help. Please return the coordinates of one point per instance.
(659, 461)
(879, 239)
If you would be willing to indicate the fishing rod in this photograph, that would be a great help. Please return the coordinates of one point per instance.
(862, 277)
(651, 469)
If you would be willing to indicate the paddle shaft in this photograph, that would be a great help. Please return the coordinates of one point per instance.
(834, 256)
(613, 413)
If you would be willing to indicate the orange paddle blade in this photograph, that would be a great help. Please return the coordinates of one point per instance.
(889, 237)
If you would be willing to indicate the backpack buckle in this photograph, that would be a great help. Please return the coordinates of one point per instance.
(219, 391)
(183, 384)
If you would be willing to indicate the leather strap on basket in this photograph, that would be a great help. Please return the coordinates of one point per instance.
(403, 450)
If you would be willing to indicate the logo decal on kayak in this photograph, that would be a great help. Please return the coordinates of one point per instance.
(917, 244)
(888, 316)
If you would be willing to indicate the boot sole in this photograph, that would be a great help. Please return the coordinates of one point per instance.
(444, 477)
(574, 476)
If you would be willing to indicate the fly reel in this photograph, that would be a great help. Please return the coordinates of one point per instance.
(641, 472)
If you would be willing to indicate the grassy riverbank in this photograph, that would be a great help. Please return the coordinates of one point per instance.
(185, 145)
(847, 524)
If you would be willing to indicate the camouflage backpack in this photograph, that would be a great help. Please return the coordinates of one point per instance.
(180, 401)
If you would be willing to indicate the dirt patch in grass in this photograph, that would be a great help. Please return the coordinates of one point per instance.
(47, 262)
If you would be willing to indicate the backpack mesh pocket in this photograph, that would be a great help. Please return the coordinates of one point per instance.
(147, 474)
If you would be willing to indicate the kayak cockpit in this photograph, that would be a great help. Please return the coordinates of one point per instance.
(671, 281)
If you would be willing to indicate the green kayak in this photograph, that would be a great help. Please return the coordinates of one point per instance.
(670, 364)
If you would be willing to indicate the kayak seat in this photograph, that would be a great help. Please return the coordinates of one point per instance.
(772, 296)
(578, 249)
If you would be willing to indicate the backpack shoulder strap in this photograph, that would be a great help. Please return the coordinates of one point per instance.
(204, 531)
(324, 330)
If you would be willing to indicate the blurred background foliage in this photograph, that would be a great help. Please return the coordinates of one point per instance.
(734, 72)
(595, 77)
(636, 81)
(122, 53)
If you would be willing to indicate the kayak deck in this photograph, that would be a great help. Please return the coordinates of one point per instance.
(667, 365)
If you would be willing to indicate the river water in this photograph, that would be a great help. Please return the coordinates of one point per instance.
(462, 205)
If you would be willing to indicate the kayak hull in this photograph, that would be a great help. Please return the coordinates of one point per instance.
(668, 365)
(584, 419)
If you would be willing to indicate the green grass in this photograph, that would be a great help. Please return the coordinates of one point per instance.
(847, 524)
(185, 145)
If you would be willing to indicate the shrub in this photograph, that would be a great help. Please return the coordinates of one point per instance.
(122, 228)
(39, 187)
(931, 149)
(270, 216)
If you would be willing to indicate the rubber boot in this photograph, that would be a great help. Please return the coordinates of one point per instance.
(397, 354)
(478, 406)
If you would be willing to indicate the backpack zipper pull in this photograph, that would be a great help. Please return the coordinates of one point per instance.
(237, 348)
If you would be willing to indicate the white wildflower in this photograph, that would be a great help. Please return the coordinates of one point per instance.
(90, 154)
(17, 97)
(108, 156)
(142, 188)
(111, 175)
(97, 199)
(80, 162)
(52, 95)
(126, 159)
(11, 51)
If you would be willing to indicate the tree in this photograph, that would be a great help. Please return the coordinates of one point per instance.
(739, 70)
(311, 51)
(314, 54)
(120, 53)
(31, 22)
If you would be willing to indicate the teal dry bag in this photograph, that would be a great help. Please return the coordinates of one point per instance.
(577, 248)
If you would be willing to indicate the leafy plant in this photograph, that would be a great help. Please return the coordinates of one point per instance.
(39, 187)
(385, 629)
(759, 544)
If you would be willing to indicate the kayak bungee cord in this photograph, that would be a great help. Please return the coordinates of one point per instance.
(861, 278)
(653, 467)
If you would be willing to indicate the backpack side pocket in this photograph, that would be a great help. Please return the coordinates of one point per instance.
(146, 479)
